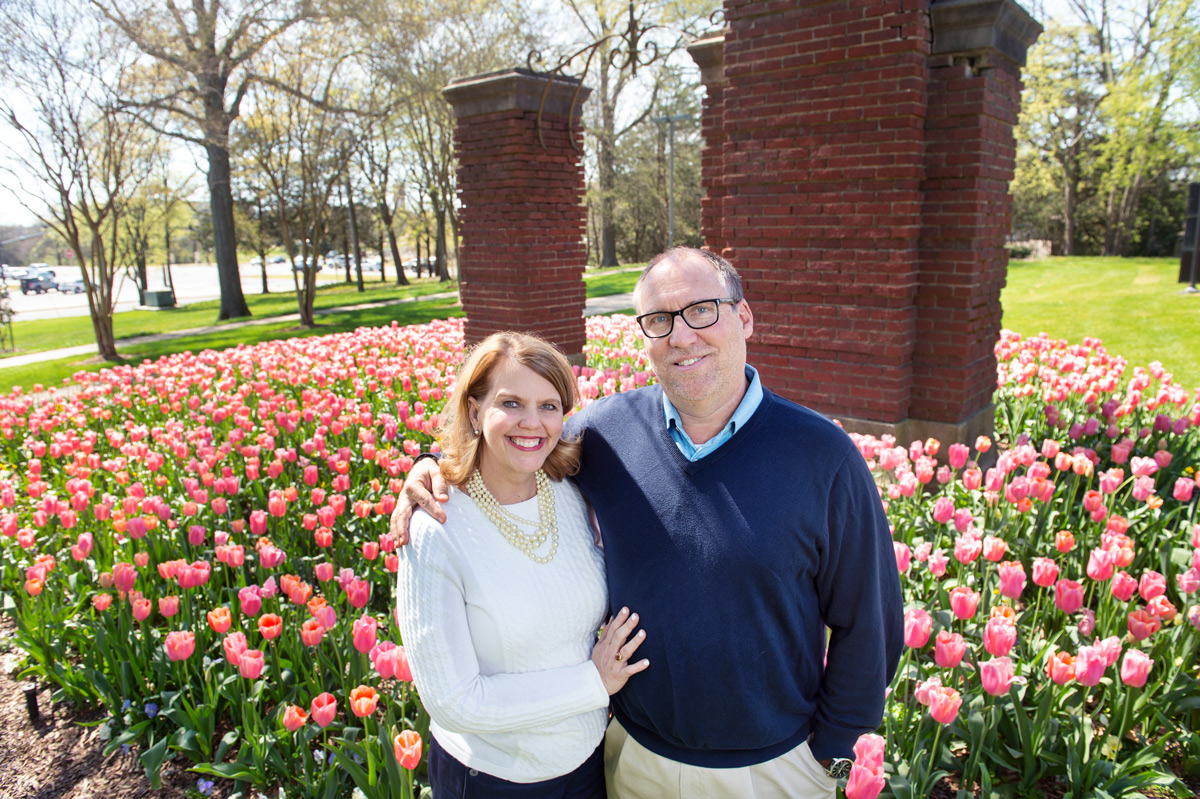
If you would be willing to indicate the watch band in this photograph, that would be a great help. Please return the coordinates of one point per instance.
(839, 767)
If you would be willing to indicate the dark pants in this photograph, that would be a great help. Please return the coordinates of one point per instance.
(450, 779)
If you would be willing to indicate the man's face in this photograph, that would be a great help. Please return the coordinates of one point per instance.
(701, 371)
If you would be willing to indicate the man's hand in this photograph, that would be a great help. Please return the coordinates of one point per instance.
(426, 488)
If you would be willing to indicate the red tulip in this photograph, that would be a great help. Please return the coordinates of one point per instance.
(270, 625)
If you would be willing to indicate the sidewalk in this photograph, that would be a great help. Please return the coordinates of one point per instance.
(597, 305)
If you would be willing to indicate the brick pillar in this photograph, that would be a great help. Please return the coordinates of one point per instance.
(522, 217)
(977, 52)
(709, 55)
(823, 160)
(865, 152)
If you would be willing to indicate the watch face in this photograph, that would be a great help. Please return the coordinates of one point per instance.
(839, 768)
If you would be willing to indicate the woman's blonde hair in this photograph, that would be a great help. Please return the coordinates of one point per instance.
(461, 448)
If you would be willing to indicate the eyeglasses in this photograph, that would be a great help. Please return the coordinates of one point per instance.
(697, 316)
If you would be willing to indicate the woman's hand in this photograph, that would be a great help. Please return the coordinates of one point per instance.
(424, 488)
(613, 651)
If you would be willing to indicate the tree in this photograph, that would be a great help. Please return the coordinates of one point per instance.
(87, 155)
(302, 151)
(204, 64)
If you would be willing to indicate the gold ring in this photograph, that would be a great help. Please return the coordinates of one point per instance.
(619, 657)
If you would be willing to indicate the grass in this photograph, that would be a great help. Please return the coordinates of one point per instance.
(1133, 305)
(65, 332)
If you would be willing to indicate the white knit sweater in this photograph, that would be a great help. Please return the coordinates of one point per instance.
(500, 646)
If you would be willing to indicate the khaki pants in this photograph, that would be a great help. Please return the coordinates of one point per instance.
(634, 772)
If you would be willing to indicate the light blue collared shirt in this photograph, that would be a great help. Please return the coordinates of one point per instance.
(745, 409)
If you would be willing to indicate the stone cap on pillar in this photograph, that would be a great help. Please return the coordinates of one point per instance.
(982, 28)
(709, 54)
(515, 90)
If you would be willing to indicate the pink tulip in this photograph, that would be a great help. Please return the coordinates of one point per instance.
(1111, 480)
(963, 519)
(944, 704)
(937, 563)
(972, 479)
(948, 649)
(963, 601)
(324, 572)
(1135, 668)
(180, 644)
(1087, 622)
(1089, 665)
(1142, 625)
(250, 599)
(864, 783)
(1160, 607)
(1060, 667)
(141, 608)
(996, 675)
(124, 576)
(1152, 585)
(1123, 586)
(1068, 596)
(1189, 581)
(324, 709)
(923, 693)
(967, 548)
(358, 592)
(234, 645)
(1143, 467)
(1100, 564)
(1045, 572)
(294, 718)
(903, 555)
(1012, 579)
(250, 666)
(999, 636)
(917, 626)
(1184, 486)
(957, 456)
(168, 606)
(364, 633)
(994, 548)
(943, 510)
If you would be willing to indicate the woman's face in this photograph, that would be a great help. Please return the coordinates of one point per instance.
(521, 420)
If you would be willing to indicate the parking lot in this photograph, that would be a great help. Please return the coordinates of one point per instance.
(193, 283)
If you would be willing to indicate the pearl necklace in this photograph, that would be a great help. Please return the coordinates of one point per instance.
(506, 522)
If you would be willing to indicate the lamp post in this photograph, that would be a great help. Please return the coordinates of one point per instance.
(671, 120)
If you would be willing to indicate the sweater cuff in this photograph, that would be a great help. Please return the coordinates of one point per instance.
(829, 742)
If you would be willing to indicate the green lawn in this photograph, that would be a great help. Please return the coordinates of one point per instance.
(41, 335)
(1133, 305)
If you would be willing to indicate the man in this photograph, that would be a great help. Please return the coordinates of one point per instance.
(739, 526)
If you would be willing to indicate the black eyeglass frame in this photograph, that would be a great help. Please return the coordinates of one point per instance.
(680, 313)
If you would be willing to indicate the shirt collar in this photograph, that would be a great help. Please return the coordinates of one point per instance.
(745, 409)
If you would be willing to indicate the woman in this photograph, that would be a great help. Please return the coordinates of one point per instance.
(499, 607)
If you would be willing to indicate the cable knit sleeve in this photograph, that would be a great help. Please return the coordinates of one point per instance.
(433, 623)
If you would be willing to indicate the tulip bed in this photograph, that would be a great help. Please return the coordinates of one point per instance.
(200, 545)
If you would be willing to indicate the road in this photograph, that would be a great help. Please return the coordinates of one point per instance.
(193, 283)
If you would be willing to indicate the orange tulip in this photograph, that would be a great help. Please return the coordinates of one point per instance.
(363, 700)
(407, 747)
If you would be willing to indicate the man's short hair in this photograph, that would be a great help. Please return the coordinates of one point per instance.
(729, 275)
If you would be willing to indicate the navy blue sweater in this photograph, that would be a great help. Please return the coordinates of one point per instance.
(736, 564)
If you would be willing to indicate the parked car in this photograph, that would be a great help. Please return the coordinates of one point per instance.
(299, 265)
(38, 281)
(255, 261)
(277, 259)
(373, 265)
(71, 287)
(14, 272)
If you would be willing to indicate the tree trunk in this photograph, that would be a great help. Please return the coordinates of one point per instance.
(220, 192)
(443, 271)
(607, 175)
(353, 219)
(401, 278)
(418, 237)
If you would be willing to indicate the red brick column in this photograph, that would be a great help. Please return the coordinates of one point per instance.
(865, 153)
(522, 218)
(709, 55)
(824, 114)
(970, 154)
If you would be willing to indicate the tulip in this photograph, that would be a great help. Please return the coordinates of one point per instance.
(401, 669)
(1089, 665)
(1189, 581)
(957, 456)
(944, 703)
(168, 606)
(141, 608)
(1060, 667)
(324, 572)
(1184, 486)
(1087, 622)
(1135, 668)
(923, 693)
(917, 626)
(219, 619)
(999, 636)
(364, 633)
(963, 519)
(1064, 541)
(943, 510)
(994, 548)
(324, 709)
(996, 675)
(1045, 572)
(1100, 564)
(250, 599)
(1152, 585)
(407, 748)
(358, 592)
(180, 644)
(234, 645)
(966, 548)
(1123, 586)
(251, 663)
(270, 625)
(1161, 608)
(311, 632)
(903, 556)
(363, 700)
(948, 649)
(1068, 596)
(102, 602)
(294, 718)
(963, 601)
(1142, 625)
(1012, 579)
(124, 575)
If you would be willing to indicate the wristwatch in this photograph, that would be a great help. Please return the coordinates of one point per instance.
(839, 767)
